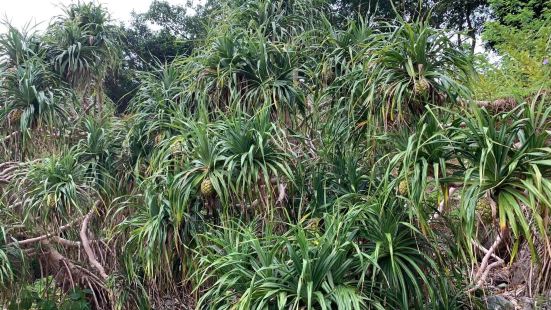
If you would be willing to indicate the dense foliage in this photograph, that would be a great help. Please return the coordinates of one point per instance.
(286, 156)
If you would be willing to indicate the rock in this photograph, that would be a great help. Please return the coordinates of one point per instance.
(499, 303)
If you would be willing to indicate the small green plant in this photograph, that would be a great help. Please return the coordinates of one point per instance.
(43, 295)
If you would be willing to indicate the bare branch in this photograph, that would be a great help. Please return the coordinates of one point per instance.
(86, 245)
(8, 137)
(282, 195)
(46, 236)
(66, 242)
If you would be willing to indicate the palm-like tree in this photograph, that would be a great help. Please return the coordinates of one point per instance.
(299, 269)
(365, 257)
(278, 21)
(82, 46)
(254, 155)
(418, 65)
(18, 46)
(57, 189)
(31, 102)
(509, 160)
(245, 71)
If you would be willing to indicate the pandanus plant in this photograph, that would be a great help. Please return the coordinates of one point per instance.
(244, 71)
(254, 156)
(31, 102)
(510, 161)
(57, 190)
(419, 64)
(499, 162)
(18, 46)
(281, 272)
(364, 257)
(82, 46)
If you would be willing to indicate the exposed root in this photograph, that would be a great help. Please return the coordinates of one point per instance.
(484, 275)
(485, 266)
(486, 251)
(486, 258)
(69, 274)
(59, 262)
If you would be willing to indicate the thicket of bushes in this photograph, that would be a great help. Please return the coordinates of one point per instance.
(288, 163)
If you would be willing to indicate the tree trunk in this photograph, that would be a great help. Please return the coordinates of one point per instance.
(470, 30)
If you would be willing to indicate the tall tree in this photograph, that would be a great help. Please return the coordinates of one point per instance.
(511, 16)
(156, 36)
(162, 33)
(465, 16)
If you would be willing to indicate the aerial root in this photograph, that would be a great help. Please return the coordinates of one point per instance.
(485, 266)
(86, 245)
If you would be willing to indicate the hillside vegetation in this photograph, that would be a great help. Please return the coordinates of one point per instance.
(290, 158)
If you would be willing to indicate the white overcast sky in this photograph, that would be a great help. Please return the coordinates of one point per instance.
(19, 12)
